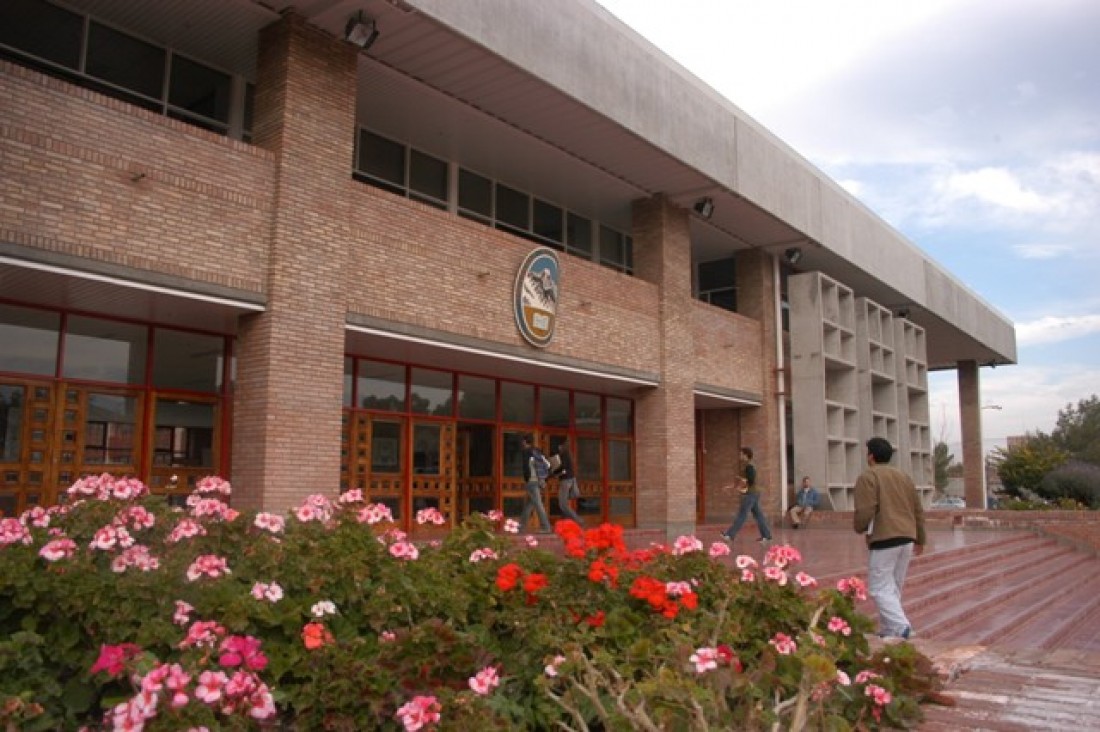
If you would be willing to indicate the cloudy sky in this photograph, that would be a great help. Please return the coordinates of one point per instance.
(972, 126)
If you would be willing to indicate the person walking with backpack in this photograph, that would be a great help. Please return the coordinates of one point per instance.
(567, 482)
(536, 469)
(750, 502)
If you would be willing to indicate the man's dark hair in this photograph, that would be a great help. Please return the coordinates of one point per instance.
(528, 439)
(747, 451)
(881, 450)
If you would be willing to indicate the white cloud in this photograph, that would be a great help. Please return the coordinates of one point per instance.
(1029, 398)
(1054, 329)
(1041, 251)
(996, 186)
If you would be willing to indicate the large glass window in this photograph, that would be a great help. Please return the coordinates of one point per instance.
(619, 416)
(432, 392)
(517, 402)
(477, 398)
(616, 250)
(426, 449)
(548, 222)
(513, 208)
(11, 423)
(588, 412)
(588, 462)
(382, 160)
(189, 361)
(385, 447)
(349, 381)
(105, 350)
(199, 90)
(553, 407)
(718, 283)
(381, 386)
(475, 196)
(578, 236)
(427, 179)
(29, 339)
(42, 30)
(619, 461)
(184, 434)
(125, 61)
(109, 434)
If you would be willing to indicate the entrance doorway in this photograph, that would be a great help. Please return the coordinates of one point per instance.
(53, 433)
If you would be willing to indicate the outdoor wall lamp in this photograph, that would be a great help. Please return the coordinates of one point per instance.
(704, 207)
(360, 31)
(793, 255)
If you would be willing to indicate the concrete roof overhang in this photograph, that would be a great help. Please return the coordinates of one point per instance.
(612, 119)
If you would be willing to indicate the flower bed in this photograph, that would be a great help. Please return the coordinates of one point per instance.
(117, 611)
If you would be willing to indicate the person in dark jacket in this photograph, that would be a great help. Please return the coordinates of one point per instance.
(750, 502)
(567, 482)
(888, 512)
(805, 501)
(533, 485)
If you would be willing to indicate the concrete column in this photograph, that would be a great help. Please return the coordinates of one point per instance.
(666, 415)
(970, 420)
(287, 405)
(756, 298)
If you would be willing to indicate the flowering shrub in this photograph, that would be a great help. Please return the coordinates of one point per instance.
(120, 612)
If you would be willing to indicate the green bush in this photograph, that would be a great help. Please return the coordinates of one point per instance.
(1074, 485)
(118, 610)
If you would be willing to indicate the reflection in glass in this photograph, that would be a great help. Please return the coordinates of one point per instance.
(513, 454)
(426, 439)
(477, 397)
(105, 350)
(109, 434)
(349, 364)
(432, 392)
(189, 361)
(184, 434)
(30, 340)
(618, 416)
(588, 411)
(11, 423)
(381, 386)
(517, 402)
(553, 407)
(385, 447)
(588, 459)
(619, 460)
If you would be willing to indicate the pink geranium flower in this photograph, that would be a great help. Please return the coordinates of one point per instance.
(719, 549)
(57, 549)
(418, 713)
(208, 565)
(705, 659)
(783, 644)
(270, 522)
(839, 625)
(485, 680)
(404, 550)
(686, 545)
(210, 686)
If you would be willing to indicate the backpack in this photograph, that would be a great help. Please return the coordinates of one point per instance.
(540, 465)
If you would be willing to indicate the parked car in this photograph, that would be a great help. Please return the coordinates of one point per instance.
(949, 502)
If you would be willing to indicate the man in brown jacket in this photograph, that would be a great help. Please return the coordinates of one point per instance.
(889, 512)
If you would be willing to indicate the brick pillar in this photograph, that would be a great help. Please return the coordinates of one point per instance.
(289, 388)
(970, 421)
(666, 415)
(756, 298)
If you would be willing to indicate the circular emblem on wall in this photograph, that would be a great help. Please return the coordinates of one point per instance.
(536, 296)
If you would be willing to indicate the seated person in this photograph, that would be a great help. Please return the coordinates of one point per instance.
(804, 503)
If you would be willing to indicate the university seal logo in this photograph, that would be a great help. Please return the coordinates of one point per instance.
(536, 296)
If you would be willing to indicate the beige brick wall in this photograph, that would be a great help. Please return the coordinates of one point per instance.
(727, 349)
(89, 176)
(93, 177)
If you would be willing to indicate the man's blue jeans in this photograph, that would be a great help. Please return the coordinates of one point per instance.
(534, 501)
(750, 502)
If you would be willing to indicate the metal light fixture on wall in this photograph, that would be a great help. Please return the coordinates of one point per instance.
(704, 207)
(360, 31)
(793, 255)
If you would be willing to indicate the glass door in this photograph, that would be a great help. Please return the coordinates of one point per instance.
(383, 445)
(26, 420)
(432, 483)
(475, 462)
(184, 442)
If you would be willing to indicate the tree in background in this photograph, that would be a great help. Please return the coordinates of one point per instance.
(1023, 467)
(1078, 430)
(941, 461)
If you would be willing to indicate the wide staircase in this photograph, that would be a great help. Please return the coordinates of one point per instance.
(1014, 625)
